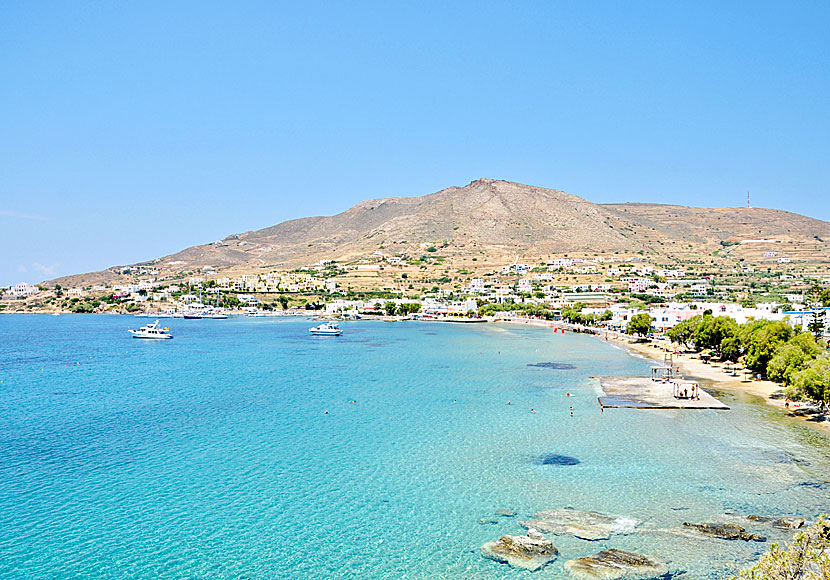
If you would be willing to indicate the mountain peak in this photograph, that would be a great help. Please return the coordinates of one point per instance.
(490, 220)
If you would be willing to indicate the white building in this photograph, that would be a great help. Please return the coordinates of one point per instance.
(22, 290)
(477, 286)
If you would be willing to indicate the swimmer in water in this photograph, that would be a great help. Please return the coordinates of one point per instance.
(533, 410)
(568, 395)
(509, 403)
(353, 402)
(572, 413)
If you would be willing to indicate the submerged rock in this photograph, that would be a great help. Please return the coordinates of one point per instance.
(780, 522)
(506, 513)
(789, 523)
(783, 523)
(724, 531)
(553, 365)
(585, 525)
(530, 552)
(614, 563)
(554, 459)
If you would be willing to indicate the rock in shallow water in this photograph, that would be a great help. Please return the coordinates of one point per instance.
(530, 552)
(785, 523)
(724, 531)
(614, 563)
(506, 513)
(585, 525)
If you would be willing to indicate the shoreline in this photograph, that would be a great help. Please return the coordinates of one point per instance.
(694, 368)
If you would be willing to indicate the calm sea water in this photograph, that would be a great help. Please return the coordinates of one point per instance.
(211, 455)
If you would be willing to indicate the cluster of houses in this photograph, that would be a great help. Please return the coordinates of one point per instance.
(518, 283)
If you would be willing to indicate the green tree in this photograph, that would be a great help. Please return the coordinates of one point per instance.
(761, 339)
(639, 324)
(812, 382)
(573, 314)
(683, 332)
(791, 358)
(409, 308)
(391, 308)
(731, 348)
(816, 326)
(715, 332)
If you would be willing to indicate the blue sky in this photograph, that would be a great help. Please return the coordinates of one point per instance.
(133, 130)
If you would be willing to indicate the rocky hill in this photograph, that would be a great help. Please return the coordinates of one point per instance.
(499, 220)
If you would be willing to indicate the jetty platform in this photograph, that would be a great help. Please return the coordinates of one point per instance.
(646, 393)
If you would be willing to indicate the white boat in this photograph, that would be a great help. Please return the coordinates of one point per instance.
(326, 329)
(152, 331)
(217, 316)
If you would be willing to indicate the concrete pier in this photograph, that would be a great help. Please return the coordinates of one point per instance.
(645, 393)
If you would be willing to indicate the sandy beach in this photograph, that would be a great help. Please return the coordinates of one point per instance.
(693, 367)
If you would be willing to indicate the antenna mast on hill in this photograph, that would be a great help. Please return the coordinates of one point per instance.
(747, 199)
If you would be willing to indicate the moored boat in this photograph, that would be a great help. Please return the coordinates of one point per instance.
(152, 331)
(326, 329)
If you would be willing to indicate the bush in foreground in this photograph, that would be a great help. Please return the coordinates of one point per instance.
(807, 558)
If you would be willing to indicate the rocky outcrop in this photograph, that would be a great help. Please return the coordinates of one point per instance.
(584, 525)
(530, 552)
(614, 563)
(724, 531)
(785, 523)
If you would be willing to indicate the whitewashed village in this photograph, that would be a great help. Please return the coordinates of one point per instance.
(612, 290)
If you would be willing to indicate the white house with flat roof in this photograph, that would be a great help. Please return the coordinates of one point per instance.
(22, 290)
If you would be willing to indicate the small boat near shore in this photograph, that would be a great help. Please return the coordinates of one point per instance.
(326, 329)
(152, 331)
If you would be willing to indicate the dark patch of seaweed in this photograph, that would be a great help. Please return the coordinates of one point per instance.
(555, 459)
(553, 365)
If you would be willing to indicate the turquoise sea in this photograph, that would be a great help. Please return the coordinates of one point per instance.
(211, 456)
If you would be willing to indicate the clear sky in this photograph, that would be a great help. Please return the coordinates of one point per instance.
(129, 131)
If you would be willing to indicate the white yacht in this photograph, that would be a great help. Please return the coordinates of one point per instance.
(153, 331)
(326, 329)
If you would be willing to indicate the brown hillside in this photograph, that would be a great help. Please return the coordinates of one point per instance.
(497, 219)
